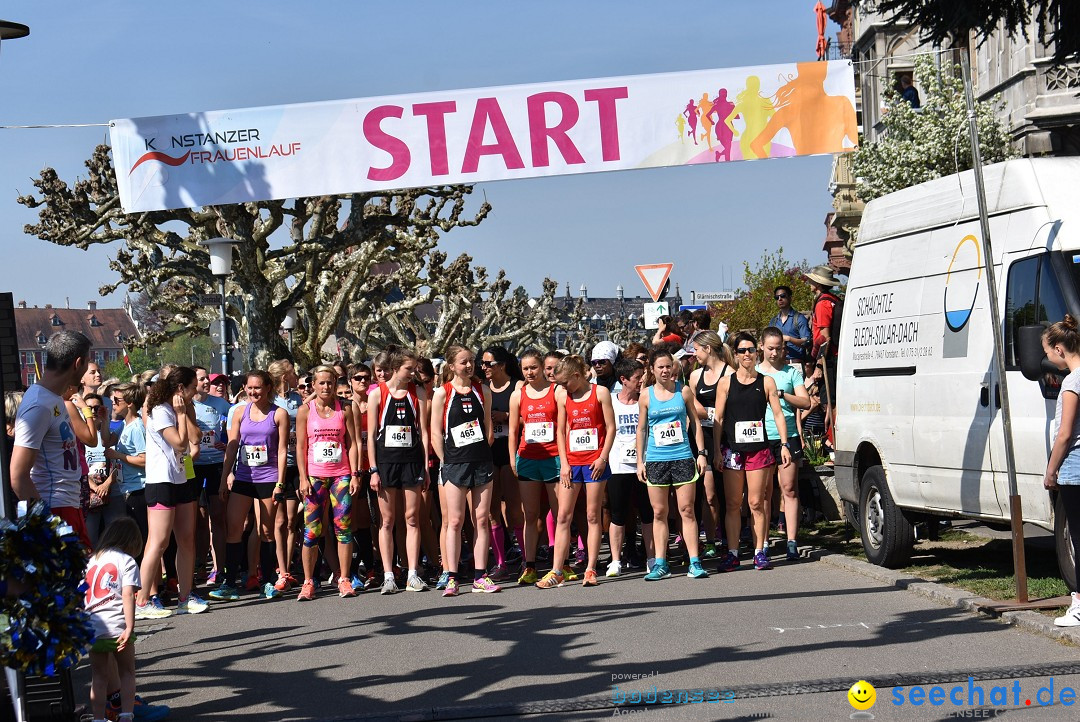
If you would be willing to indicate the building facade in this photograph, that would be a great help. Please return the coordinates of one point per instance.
(108, 329)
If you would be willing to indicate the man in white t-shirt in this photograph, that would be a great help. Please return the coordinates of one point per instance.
(45, 461)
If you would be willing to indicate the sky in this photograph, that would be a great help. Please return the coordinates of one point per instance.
(93, 62)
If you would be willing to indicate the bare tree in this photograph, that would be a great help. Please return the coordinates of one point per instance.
(338, 252)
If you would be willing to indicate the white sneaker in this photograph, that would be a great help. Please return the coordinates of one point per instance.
(416, 584)
(389, 586)
(614, 569)
(192, 605)
(1071, 618)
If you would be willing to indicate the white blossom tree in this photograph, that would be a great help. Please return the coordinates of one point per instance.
(933, 141)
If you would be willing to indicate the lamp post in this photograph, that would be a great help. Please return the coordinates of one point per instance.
(221, 260)
(288, 324)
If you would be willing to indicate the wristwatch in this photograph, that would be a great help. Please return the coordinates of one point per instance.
(780, 393)
(787, 445)
(702, 452)
(373, 470)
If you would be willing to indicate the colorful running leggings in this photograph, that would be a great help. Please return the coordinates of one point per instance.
(337, 489)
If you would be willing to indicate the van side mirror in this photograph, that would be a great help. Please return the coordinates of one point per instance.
(1029, 349)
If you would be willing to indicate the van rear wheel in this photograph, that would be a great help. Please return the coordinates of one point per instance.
(887, 535)
(1063, 543)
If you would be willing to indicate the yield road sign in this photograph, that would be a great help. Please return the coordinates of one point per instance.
(654, 276)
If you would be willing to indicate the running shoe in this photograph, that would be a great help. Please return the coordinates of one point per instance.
(1071, 617)
(761, 560)
(792, 551)
(143, 712)
(358, 584)
(293, 581)
(579, 558)
(697, 571)
(614, 569)
(590, 578)
(485, 585)
(416, 584)
(527, 577)
(345, 589)
(252, 584)
(153, 609)
(269, 591)
(710, 551)
(451, 588)
(569, 574)
(282, 584)
(192, 605)
(307, 592)
(443, 579)
(551, 579)
(729, 563)
(389, 586)
(659, 571)
(500, 573)
(212, 578)
(225, 593)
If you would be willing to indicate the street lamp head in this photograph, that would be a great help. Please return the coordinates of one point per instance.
(619, 292)
(221, 256)
(289, 322)
(13, 31)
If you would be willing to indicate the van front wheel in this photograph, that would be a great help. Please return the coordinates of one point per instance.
(1063, 543)
(887, 535)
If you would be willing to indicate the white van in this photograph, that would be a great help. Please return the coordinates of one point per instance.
(918, 430)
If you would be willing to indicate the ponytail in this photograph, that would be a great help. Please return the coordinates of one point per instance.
(1065, 333)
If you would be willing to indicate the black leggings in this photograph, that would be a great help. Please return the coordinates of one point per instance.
(1070, 499)
(621, 489)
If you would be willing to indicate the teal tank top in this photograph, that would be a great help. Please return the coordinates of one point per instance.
(668, 432)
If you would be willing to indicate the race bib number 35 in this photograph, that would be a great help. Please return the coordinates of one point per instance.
(584, 440)
(541, 432)
(750, 432)
(467, 433)
(326, 452)
(256, 455)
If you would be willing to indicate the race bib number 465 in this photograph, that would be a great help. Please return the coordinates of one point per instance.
(467, 433)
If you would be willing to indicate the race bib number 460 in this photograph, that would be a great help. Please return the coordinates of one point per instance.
(584, 440)
(256, 455)
(750, 432)
(467, 433)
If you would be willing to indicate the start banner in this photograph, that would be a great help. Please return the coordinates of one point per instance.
(466, 136)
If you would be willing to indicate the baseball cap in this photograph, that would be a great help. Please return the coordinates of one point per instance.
(216, 378)
(605, 351)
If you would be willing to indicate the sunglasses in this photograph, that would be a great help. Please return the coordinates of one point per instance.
(489, 364)
(361, 378)
(746, 349)
(303, 386)
(781, 295)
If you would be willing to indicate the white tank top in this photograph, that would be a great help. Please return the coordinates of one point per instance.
(623, 458)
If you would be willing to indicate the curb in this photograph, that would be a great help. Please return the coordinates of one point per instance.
(1028, 620)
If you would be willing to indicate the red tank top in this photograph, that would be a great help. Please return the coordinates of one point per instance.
(538, 417)
(585, 429)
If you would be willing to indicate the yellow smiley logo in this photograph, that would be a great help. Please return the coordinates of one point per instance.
(862, 695)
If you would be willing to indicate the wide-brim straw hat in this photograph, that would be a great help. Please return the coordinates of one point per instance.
(823, 275)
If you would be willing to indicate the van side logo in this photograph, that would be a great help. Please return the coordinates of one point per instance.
(959, 297)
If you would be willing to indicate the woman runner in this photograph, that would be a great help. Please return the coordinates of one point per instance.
(623, 486)
(665, 460)
(399, 470)
(461, 433)
(533, 415)
(585, 432)
(327, 457)
(715, 362)
(171, 433)
(741, 402)
(255, 461)
(504, 378)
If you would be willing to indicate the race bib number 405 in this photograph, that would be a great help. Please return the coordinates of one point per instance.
(467, 433)
(750, 432)
(584, 440)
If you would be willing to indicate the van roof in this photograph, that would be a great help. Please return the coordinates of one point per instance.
(1013, 184)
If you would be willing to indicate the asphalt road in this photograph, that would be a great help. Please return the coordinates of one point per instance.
(782, 644)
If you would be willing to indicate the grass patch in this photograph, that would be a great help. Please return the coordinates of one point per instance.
(976, 564)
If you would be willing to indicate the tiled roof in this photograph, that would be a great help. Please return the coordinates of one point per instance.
(99, 325)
